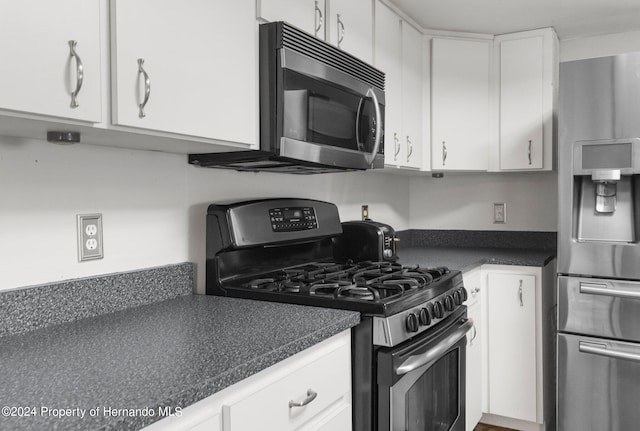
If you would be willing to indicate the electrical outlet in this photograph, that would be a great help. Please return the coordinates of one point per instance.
(365, 212)
(89, 237)
(500, 212)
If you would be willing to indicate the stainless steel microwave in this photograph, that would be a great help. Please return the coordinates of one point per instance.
(321, 109)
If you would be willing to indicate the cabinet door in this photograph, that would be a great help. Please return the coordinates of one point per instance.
(197, 58)
(351, 27)
(521, 103)
(412, 96)
(460, 104)
(475, 364)
(388, 58)
(323, 386)
(511, 315)
(307, 15)
(38, 74)
(474, 369)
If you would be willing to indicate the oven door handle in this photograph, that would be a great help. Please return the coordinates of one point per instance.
(416, 361)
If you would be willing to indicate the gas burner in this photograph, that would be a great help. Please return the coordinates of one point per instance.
(260, 283)
(366, 281)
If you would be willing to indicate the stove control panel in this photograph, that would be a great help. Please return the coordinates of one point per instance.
(291, 219)
(393, 330)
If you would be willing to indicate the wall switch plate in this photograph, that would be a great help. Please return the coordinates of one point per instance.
(365, 212)
(89, 237)
(500, 212)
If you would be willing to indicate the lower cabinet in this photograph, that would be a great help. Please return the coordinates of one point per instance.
(511, 343)
(518, 346)
(474, 386)
(310, 391)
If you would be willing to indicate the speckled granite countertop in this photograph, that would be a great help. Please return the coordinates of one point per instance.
(465, 259)
(166, 354)
(465, 250)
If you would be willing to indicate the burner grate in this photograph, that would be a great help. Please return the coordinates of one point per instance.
(364, 281)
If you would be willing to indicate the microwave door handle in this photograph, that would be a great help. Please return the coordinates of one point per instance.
(369, 158)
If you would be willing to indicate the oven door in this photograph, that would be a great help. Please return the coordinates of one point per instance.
(421, 383)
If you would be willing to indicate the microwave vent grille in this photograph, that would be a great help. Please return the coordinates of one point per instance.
(317, 49)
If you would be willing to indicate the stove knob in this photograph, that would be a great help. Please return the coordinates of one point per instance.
(425, 317)
(412, 322)
(464, 294)
(387, 253)
(438, 310)
(457, 297)
(448, 303)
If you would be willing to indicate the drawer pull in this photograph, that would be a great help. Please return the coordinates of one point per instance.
(602, 350)
(311, 395)
(602, 289)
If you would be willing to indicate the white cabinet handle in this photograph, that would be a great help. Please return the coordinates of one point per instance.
(311, 395)
(529, 152)
(79, 73)
(147, 87)
(340, 27)
(396, 146)
(475, 334)
(444, 152)
(520, 294)
(409, 149)
(319, 19)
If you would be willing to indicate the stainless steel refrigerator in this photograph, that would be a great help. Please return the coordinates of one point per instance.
(598, 381)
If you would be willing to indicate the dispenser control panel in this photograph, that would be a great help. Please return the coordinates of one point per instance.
(598, 158)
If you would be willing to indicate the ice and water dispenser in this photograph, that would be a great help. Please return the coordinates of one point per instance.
(606, 176)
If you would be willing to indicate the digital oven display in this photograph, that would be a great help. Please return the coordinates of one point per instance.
(293, 219)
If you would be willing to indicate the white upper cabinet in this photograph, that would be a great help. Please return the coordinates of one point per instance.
(412, 78)
(187, 67)
(398, 53)
(460, 104)
(347, 24)
(51, 58)
(388, 58)
(307, 15)
(527, 86)
(350, 27)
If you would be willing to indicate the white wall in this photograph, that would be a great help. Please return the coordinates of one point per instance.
(599, 46)
(153, 206)
(465, 201)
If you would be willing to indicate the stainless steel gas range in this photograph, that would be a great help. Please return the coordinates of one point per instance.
(409, 349)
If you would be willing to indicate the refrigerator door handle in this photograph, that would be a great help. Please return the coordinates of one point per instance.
(602, 350)
(602, 289)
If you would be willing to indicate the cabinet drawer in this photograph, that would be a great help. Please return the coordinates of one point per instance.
(269, 408)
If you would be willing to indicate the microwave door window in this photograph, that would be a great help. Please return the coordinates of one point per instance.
(331, 122)
(320, 112)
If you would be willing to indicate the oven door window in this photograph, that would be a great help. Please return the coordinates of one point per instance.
(432, 400)
(317, 111)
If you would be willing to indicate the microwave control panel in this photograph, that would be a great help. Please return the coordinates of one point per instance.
(293, 219)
